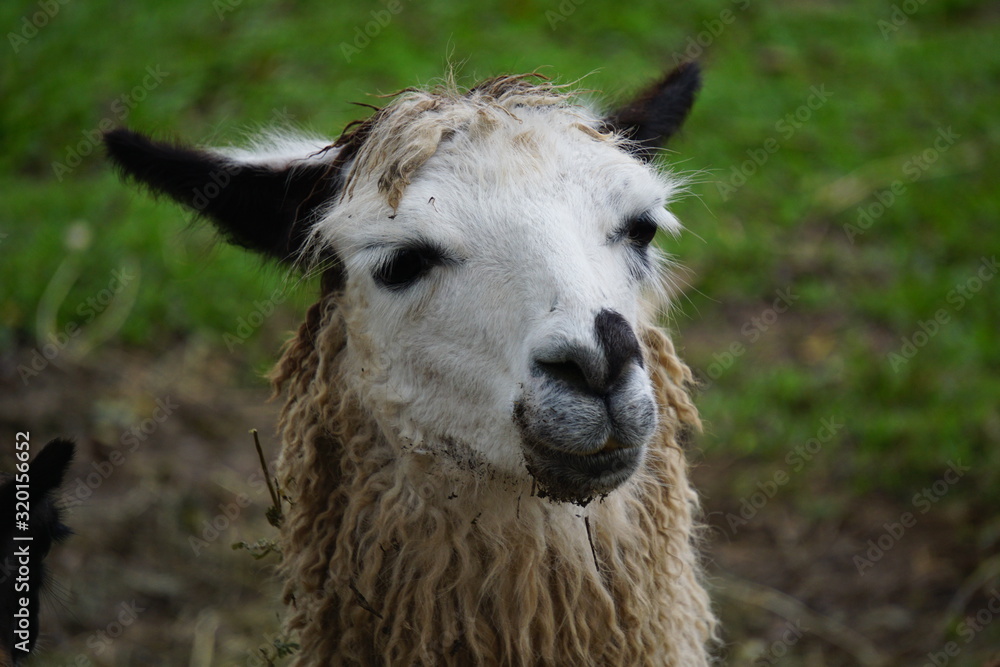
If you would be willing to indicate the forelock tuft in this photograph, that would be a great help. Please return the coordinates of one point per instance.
(398, 138)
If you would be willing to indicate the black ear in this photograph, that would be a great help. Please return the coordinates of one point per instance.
(259, 207)
(658, 112)
(50, 466)
(40, 529)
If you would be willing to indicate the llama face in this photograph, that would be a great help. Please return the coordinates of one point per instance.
(495, 309)
(489, 252)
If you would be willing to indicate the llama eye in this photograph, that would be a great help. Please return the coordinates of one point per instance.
(641, 231)
(406, 266)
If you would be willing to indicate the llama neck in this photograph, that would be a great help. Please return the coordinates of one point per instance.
(404, 566)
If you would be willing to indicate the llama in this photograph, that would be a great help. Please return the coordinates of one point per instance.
(23, 574)
(480, 434)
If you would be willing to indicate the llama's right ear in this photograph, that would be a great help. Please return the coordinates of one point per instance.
(261, 207)
(658, 112)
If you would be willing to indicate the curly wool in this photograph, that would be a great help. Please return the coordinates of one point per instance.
(391, 558)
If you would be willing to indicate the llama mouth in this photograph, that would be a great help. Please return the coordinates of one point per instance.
(578, 447)
(579, 478)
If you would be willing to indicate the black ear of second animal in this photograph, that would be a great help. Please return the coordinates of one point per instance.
(50, 465)
(260, 208)
(657, 113)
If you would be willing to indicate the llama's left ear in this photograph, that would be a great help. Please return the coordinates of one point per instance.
(658, 112)
(262, 207)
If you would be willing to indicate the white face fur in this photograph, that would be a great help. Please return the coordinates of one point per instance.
(493, 315)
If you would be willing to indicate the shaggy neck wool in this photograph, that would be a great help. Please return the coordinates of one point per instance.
(393, 559)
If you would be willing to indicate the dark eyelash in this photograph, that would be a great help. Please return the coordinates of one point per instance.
(407, 265)
(638, 231)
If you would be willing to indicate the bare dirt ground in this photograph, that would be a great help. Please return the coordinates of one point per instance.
(167, 480)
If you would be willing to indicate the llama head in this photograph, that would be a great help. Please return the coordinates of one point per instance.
(491, 255)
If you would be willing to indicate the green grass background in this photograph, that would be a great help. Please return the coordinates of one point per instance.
(233, 67)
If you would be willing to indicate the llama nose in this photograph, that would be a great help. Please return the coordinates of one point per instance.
(594, 370)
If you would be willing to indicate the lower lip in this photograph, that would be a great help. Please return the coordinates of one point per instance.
(580, 478)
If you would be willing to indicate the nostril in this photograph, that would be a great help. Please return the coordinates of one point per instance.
(567, 372)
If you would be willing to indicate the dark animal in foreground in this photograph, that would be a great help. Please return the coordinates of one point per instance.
(30, 523)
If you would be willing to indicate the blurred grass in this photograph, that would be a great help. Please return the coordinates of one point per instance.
(231, 68)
